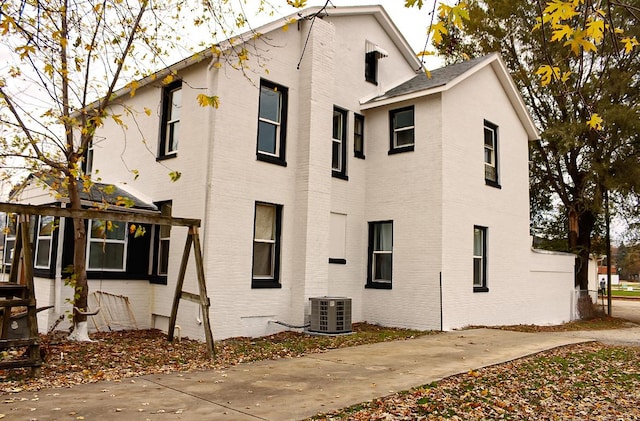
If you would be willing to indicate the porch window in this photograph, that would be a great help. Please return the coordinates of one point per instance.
(44, 242)
(107, 248)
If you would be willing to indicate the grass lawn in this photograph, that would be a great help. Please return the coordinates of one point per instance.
(624, 293)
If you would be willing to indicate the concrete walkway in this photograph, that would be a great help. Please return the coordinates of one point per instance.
(292, 389)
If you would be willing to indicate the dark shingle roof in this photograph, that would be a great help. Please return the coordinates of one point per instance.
(439, 77)
(98, 192)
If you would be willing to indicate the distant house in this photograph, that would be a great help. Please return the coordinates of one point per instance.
(602, 275)
(343, 171)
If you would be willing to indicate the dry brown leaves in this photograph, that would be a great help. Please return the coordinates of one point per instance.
(579, 382)
(123, 354)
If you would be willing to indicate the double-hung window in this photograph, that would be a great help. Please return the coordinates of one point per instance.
(402, 134)
(380, 262)
(491, 154)
(44, 242)
(169, 129)
(107, 246)
(162, 240)
(9, 239)
(266, 246)
(339, 144)
(480, 259)
(358, 136)
(272, 119)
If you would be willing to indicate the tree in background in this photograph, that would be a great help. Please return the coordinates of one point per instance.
(64, 61)
(577, 67)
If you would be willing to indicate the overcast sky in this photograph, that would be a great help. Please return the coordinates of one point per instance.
(412, 22)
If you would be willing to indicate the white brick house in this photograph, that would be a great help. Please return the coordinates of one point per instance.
(342, 171)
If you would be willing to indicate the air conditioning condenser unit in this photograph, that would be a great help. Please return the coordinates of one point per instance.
(330, 315)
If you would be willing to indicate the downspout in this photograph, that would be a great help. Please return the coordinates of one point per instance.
(441, 316)
(208, 171)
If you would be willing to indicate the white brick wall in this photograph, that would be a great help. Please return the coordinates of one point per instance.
(434, 195)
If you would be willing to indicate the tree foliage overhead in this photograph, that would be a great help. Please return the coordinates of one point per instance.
(63, 62)
(577, 66)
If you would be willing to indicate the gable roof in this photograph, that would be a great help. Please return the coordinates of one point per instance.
(377, 11)
(445, 78)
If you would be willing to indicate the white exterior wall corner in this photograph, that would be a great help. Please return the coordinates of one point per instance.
(313, 166)
(349, 86)
(468, 201)
(407, 189)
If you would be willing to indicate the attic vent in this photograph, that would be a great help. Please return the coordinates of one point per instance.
(330, 315)
(378, 52)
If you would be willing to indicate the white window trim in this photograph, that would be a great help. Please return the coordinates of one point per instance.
(39, 238)
(101, 241)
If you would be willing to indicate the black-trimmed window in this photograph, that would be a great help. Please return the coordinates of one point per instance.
(371, 67)
(169, 128)
(87, 162)
(491, 154)
(107, 246)
(266, 246)
(161, 243)
(402, 130)
(358, 136)
(339, 144)
(480, 259)
(272, 123)
(380, 261)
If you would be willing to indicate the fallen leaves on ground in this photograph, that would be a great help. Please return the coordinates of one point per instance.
(588, 381)
(124, 354)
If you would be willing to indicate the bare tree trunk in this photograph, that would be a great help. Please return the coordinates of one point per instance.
(80, 284)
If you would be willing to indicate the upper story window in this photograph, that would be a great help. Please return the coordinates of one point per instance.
(491, 154)
(480, 259)
(169, 129)
(107, 246)
(380, 267)
(266, 246)
(272, 119)
(372, 54)
(44, 242)
(402, 133)
(358, 136)
(339, 144)
(87, 163)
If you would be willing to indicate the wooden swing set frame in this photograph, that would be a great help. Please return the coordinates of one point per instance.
(26, 294)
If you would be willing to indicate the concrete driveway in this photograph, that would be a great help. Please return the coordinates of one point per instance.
(626, 309)
(297, 388)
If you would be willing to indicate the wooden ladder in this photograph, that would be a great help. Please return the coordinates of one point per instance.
(19, 292)
(193, 238)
